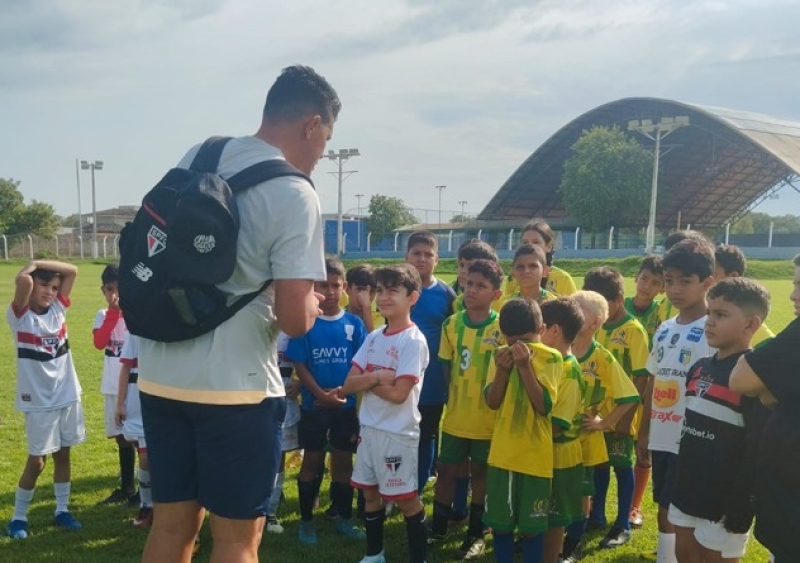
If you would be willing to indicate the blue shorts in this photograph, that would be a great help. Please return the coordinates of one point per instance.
(225, 457)
(665, 467)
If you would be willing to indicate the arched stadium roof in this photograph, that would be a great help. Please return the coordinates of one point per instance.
(715, 170)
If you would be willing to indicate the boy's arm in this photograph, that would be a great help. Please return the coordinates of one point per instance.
(121, 412)
(358, 380)
(23, 288)
(643, 440)
(398, 392)
(68, 274)
(613, 418)
(102, 334)
(324, 397)
(496, 392)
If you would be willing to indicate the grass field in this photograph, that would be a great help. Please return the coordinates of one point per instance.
(107, 534)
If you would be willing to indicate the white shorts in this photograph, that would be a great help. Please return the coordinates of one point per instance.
(133, 425)
(386, 462)
(141, 443)
(289, 438)
(110, 406)
(49, 431)
(711, 535)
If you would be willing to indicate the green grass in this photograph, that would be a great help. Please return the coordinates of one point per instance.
(107, 534)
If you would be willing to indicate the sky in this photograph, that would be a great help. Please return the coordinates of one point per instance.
(434, 92)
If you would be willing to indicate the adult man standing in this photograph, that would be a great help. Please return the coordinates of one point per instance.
(212, 405)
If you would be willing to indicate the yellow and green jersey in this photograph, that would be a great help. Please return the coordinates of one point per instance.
(468, 348)
(649, 318)
(568, 415)
(544, 295)
(523, 439)
(458, 304)
(627, 340)
(665, 310)
(558, 282)
(762, 336)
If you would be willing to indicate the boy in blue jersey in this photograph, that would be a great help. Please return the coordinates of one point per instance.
(435, 304)
(321, 360)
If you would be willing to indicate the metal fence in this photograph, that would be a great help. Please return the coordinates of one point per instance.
(29, 247)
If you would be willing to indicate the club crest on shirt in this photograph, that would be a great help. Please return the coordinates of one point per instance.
(348, 332)
(590, 370)
(685, 356)
(494, 339)
(50, 344)
(695, 334)
(393, 462)
(619, 337)
(674, 340)
(660, 353)
(703, 386)
(156, 241)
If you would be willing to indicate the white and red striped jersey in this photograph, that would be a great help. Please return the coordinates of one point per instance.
(116, 338)
(46, 377)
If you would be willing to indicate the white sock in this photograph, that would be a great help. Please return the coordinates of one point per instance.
(145, 492)
(22, 500)
(62, 496)
(666, 549)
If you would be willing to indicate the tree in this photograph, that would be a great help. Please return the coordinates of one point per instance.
(11, 203)
(459, 218)
(38, 218)
(606, 180)
(387, 214)
(72, 221)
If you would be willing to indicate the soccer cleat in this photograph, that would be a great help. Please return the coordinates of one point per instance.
(636, 519)
(118, 496)
(273, 526)
(349, 530)
(379, 558)
(332, 513)
(307, 533)
(616, 537)
(471, 548)
(575, 555)
(18, 529)
(143, 518)
(135, 500)
(67, 521)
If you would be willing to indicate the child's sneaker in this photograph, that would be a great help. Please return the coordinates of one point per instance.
(143, 518)
(374, 558)
(332, 513)
(636, 519)
(307, 533)
(615, 537)
(118, 496)
(348, 529)
(471, 548)
(273, 526)
(18, 529)
(67, 521)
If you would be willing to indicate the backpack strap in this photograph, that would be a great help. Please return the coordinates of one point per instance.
(263, 171)
(207, 157)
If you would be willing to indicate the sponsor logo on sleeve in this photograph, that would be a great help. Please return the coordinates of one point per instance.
(695, 334)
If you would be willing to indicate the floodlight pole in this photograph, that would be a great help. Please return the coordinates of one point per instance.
(655, 132)
(80, 213)
(96, 165)
(358, 197)
(462, 203)
(341, 156)
(440, 188)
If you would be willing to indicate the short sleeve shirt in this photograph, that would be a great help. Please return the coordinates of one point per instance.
(568, 415)
(109, 382)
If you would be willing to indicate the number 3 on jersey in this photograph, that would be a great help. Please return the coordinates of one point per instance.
(466, 357)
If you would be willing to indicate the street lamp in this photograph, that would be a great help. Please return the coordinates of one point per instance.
(656, 132)
(462, 203)
(96, 165)
(341, 156)
(440, 188)
(358, 197)
(80, 213)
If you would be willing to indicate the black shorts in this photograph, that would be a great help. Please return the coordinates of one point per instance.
(225, 457)
(337, 427)
(665, 471)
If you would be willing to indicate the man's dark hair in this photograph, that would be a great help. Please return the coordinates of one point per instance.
(45, 275)
(361, 275)
(476, 250)
(399, 275)
(530, 250)
(519, 316)
(747, 294)
(547, 234)
(110, 274)
(691, 257)
(299, 91)
(422, 237)
(334, 266)
(685, 234)
(653, 264)
(566, 313)
(730, 258)
(606, 281)
(490, 270)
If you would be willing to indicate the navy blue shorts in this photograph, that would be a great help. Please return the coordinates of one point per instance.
(665, 468)
(223, 456)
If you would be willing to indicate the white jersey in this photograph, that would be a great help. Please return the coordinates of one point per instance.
(292, 406)
(46, 377)
(109, 384)
(675, 348)
(132, 426)
(405, 352)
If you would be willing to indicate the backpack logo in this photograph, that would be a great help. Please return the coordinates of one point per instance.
(142, 272)
(204, 243)
(156, 241)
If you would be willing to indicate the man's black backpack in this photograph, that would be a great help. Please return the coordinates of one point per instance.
(182, 242)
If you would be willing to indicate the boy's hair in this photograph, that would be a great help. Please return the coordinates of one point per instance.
(530, 250)
(566, 313)
(110, 274)
(519, 316)
(593, 302)
(45, 275)
(361, 275)
(691, 257)
(544, 230)
(686, 234)
(745, 293)
(653, 263)
(606, 281)
(422, 237)
(476, 250)
(730, 258)
(490, 270)
(334, 266)
(399, 275)
(299, 91)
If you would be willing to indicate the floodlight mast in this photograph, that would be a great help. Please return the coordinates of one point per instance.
(655, 132)
(341, 156)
